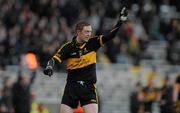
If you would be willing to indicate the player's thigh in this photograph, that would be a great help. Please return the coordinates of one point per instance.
(91, 108)
(65, 109)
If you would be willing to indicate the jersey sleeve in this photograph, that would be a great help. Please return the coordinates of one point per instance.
(100, 40)
(61, 54)
(111, 34)
(96, 42)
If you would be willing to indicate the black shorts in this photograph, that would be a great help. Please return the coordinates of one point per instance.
(79, 91)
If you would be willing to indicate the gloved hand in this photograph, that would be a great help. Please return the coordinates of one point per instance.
(123, 14)
(48, 71)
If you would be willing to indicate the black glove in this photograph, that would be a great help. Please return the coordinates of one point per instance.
(49, 68)
(48, 71)
(123, 14)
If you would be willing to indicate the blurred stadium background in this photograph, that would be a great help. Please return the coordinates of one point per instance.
(148, 45)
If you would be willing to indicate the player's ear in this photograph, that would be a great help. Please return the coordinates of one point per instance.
(78, 31)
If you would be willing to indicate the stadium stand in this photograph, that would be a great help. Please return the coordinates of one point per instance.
(147, 44)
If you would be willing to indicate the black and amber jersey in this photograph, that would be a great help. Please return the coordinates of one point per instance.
(81, 58)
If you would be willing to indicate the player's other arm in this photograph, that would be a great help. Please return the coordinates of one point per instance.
(113, 32)
(58, 57)
(49, 67)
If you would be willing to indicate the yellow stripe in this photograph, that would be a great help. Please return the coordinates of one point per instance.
(82, 46)
(63, 46)
(57, 58)
(101, 42)
(83, 61)
(114, 29)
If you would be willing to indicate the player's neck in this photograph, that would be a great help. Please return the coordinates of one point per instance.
(79, 41)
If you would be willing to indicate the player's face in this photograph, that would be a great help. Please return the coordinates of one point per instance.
(85, 34)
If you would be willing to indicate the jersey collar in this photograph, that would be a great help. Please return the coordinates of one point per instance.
(76, 44)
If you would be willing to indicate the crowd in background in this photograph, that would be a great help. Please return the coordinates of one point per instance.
(42, 26)
(166, 97)
(18, 97)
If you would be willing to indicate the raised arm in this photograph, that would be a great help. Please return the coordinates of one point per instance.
(122, 17)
